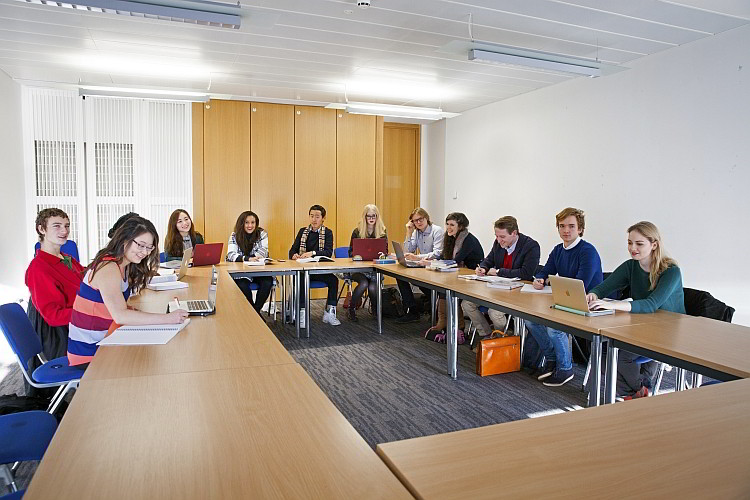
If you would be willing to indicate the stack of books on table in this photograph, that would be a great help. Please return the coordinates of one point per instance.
(443, 265)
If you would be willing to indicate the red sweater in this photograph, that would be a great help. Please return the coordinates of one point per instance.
(53, 286)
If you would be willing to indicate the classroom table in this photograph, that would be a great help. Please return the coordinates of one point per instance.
(710, 347)
(686, 444)
(253, 432)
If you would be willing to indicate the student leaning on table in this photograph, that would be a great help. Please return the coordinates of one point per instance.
(311, 241)
(654, 282)
(513, 255)
(369, 226)
(181, 235)
(249, 242)
(124, 266)
(573, 258)
(427, 238)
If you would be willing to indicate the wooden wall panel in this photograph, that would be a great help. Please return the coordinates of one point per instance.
(198, 210)
(355, 171)
(379, 162)
(226, 167)
(314, 164)
(272, 167)
(400, 174)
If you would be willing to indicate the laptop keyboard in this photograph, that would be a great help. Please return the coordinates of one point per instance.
(198, 305)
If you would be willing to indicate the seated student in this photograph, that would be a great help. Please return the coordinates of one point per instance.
(125, 265)
(316, 239)
(573, 258)
(181, 235)
(249, 242)
(53, 279)
(369, 226)
(655, 282)
(513, 255)
(463, 247)
(119, 222)
(427, 238)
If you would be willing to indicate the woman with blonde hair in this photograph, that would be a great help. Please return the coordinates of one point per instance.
(654, 282)
(369, 226)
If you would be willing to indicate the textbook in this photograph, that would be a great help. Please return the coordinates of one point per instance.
(166, 285)
(163, 278)
(143, 334)
(505, 286)
(259, 262)
(443, 265)
(317, 258)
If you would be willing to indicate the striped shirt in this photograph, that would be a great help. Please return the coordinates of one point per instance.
(260, 248)
(89, 322)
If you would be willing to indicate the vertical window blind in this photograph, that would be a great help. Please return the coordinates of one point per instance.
(99, 158)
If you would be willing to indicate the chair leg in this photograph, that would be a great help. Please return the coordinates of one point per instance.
(7, 477)
(273, 301)
(54, 398)
(586, 376)
(68, 386)
(659, 378)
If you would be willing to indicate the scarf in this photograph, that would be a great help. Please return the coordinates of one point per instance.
(459, 242)
(321, 239)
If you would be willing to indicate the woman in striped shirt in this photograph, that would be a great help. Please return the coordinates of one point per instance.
(124, 266)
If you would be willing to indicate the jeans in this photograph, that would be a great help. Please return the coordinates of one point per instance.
(265, 283)
(407, 296)
(554, 344)
(331, 281)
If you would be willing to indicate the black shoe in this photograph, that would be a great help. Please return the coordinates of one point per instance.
(560, 377)
(409, 317)
(351, 314)
(547, 371)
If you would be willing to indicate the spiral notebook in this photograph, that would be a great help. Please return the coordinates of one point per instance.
(143, 334)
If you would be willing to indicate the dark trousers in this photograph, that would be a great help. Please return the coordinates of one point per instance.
(54, 340)
(407, 296)
(331, 281)
(365, 283)
(264, 283)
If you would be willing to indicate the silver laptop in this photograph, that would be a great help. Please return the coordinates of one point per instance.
(174, 264)
(184, 263)
(201, 307)
(400, 256)
(569, 295)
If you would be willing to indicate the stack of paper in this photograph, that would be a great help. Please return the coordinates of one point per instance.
(443, 265)
(529, 288)
(163, 283)
(505, 285)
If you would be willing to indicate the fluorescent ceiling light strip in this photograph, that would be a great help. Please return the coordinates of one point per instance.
(143, 94)
(203, 13)
(588, 69)
(363, 108)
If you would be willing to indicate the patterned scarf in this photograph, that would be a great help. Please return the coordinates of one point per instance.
(460, 237)
(321, 239)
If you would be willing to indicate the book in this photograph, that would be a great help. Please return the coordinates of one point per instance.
(529, 288)
(259, 262)
(505, 286)
(498, 279)
(167, 285)
(159, 278)
(439, 265)
(468, 277)
(317, 258)
(384, 261)
(165, 272)
(143, 334)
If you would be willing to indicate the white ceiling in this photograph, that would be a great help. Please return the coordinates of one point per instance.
(316, 50)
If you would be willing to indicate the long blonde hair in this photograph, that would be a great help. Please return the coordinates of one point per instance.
(362, 224)
(659, 259)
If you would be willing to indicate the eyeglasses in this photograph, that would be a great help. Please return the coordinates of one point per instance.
(418, 220)
(144, 248)
(371, 216)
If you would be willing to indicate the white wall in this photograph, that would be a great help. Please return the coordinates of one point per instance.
(666, 141)
(432, 173)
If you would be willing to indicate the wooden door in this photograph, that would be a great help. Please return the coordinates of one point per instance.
(400, 176)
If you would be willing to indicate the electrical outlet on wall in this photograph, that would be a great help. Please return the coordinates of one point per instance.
(455, 195)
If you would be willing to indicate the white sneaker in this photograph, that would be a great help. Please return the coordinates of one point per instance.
(301, 318)
(330, 317)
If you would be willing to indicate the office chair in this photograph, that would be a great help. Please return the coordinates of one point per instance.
(69, 247)
(24, 436)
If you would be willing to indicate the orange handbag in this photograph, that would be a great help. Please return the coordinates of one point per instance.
(499, 355)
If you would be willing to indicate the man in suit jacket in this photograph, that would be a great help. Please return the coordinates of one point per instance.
(513, 255)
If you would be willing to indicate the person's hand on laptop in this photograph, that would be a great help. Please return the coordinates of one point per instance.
(411, 256)
(596, 304)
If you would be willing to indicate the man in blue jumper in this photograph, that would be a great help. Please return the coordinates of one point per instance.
(573, 258)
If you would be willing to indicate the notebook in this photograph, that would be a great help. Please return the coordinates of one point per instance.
(505, 285)
(569, 295)
(259, 262)
(529, 288)
(166, 285)
(317, 258)
(143, 334)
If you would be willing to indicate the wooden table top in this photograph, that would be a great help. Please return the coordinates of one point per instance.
(690, 443)
(264, 432)
(707, 342)
(287, 265)
(234, 337)
(339, 264)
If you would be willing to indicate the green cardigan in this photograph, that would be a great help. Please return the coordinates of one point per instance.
(667, 295)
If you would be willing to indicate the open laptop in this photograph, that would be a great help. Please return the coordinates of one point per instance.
(182, 264)
(207, 254)
(400, 256)
(569, 295)
(369, 248)
(200, 307)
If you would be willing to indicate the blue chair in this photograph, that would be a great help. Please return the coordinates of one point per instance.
(341, 253)
(17, 495)
(162, 257)
(24, 436)
(25, 344)
(69, 247)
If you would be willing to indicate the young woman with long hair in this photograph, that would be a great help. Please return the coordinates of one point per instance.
(249, 242)
(181, 235)
(370, 225)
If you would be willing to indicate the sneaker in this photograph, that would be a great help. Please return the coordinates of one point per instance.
(351, 314)
(547, 371)
(640, 393)
(561, 377)
(411, 316)
(329, 316)
(301, 318)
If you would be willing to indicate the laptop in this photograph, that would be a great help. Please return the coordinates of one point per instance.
(200, 307)
(184, 263)
(369, 248)
(400, 256)
(207, 254)
(569, 295)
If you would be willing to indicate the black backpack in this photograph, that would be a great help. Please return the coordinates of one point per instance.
(392, 305)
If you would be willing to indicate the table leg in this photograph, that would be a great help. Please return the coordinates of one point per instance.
(679, 384)
(296, 301)
(610, 381)
(307, 305)
(520, 330)
(283, 298)
(433, 301)
(379, 279)
(451, 304)
(596, 370)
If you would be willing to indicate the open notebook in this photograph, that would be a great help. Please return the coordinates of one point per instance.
(143, 334)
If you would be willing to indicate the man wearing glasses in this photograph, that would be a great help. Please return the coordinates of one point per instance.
(427, 238)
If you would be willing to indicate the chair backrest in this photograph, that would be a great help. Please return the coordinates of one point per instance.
(162, 256)
(69, 247)
(19, 333)
(341, 253)
(701, 303)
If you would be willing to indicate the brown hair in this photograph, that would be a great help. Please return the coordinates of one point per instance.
(659, 259)
(567, 212)
(509, 223)
(449, 242)
(46, 214)
(247, 241)
(137, 274)
(173, 240)
(422, 212)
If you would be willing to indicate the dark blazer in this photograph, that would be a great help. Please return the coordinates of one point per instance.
(471, 252)
(313, 243)
(525, 259)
